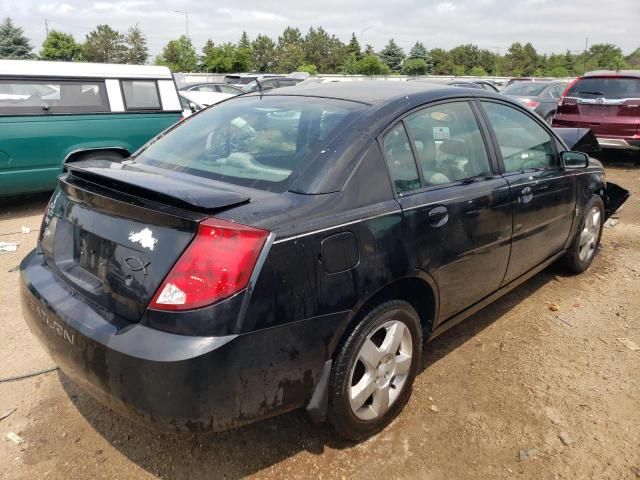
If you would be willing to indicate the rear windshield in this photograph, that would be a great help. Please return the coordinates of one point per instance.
(525, 89)
(259, 142)
(608, 87)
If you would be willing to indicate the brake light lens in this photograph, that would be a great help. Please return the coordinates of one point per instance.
(217, 264)
(530, 103)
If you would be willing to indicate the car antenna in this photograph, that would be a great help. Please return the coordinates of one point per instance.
(259, 87)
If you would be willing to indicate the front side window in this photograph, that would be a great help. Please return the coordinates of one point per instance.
(523, 142)
(141, 95)
(448, 143)
(400, 160)
(43, 96)
(259, 142)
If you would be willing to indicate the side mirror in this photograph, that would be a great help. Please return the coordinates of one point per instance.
(574, 160)
(193, 107)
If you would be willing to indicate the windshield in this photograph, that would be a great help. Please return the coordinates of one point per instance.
(608, 87)
(254, 141)
(525, 89)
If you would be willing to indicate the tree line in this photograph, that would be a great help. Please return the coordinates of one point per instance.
(316, 51)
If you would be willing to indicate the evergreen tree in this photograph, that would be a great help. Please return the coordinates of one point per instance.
(354, 47)
(290, 52)
(419, 52)
(137, 51)
(60, 46)
(392, 55)
(317, 46)
(13, 43)
(242, 60)
(105, 45)
(263, 53)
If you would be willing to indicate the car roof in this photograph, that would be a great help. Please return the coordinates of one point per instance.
(612, 73)
(36, 68)
(371, 92)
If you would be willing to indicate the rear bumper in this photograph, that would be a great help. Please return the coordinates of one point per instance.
(619, 143)
(169, 381)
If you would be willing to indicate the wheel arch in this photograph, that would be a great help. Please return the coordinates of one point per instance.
(418, 289)
(75, 155)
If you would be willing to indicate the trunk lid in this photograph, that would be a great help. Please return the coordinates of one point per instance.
(114, 235)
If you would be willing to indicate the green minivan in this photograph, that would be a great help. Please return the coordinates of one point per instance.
(52, 113)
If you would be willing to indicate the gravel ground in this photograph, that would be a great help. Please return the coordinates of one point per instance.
(559, 386)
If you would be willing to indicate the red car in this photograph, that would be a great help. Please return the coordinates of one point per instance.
(608, 103)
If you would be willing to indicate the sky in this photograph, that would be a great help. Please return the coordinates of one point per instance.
(550, 25)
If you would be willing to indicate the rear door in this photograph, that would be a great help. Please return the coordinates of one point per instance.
(542, 193)
(457, 211)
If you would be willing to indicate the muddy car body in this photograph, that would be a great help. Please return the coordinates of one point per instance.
(240, 280)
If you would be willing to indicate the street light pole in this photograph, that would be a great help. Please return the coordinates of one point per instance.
(186, 19)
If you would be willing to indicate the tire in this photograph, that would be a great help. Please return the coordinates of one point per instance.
(584, 247)
(375, 367)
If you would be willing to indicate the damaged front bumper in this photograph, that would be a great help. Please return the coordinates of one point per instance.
(615, 196)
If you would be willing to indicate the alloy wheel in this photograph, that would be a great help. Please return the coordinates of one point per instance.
(381, 370)
(589, 234)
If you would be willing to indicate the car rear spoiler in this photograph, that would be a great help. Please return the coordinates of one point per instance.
(615, 196)
(578, 139)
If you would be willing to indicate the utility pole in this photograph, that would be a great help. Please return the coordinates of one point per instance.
(46, 26)
(186, 19)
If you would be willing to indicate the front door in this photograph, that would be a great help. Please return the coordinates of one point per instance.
(542, 193)
(457, 212)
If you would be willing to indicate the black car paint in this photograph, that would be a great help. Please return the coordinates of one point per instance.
(268, 349)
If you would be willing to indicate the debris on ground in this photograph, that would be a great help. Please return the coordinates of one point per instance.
(630, 344)
(565, 438)
(14, 269)
(15, 438)
(527, 453)
(553, 415)
(563, 320)
(6, 413)
(8, 247)
(434, 408)
(611, 223)
(554, 307)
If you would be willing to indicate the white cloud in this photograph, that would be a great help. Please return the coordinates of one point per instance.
(445, 7)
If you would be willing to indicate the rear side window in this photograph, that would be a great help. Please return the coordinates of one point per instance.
(400, 160)
(524, 144)
(141, 95)
(43, 96)
(253, 141)
(448, 143)
(608, 87)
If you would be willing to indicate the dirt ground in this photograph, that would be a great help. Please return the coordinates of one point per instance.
(516, 376)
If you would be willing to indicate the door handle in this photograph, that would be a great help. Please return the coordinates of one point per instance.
(526, 195)
(438, 216)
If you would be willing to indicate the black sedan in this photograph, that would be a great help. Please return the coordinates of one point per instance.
(542, 97)
(293, 249)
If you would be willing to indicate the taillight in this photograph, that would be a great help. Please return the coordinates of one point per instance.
(530, 103)
(568, 105)
(216, 264)
(630, 108)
